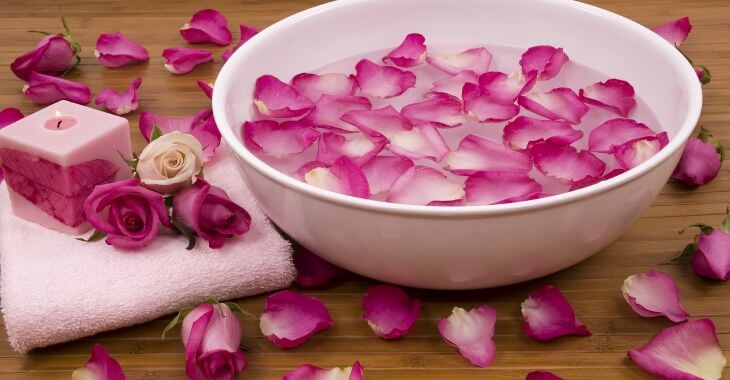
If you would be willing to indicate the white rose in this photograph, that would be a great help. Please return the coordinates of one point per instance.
(170, 163)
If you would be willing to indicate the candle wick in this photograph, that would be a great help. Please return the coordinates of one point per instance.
(58, 126)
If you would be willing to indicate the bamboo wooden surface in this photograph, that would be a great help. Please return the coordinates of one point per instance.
(593, 286)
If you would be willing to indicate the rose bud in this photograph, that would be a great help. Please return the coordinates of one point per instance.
(170, 162)
(700, 161)
(710, 251)
(53, 55)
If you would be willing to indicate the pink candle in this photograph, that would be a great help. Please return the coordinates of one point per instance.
(53, 159)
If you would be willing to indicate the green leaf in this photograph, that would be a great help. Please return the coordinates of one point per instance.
(156, 133)
(131, 162)
(704, 228)
(236, 307)
(706, 75)
(725, 226)
(168, 201)
(40, 31)
(705, 135)
(94, 237)
(686, 254)
(212, 301)
(178, 319)
(721, 151)
(185, 231)
(63, 21)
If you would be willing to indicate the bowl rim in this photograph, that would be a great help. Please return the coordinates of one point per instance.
(688, 80)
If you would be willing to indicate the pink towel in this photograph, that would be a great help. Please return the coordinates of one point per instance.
(55, 288)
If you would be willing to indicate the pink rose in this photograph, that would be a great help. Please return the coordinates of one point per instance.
(212, 337)
(209, 212)
(129, 214)
(53, 56)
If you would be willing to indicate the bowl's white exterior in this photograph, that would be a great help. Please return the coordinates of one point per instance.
(460, 247)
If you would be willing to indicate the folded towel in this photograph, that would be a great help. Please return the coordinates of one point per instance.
(55, 288)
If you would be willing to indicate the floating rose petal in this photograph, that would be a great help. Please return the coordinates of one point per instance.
(116, 50)
(653, 294)
(490, 187)
(278, 140)
(452, 85)
(423, 141)
(701, 160)
(633, 153)
(479, 154)
(313, 271)
(310, 372)
(547, 61)
(120, 103)
(476, 60)
(207, 88)
(358, 149)
(9, 116)
(688, 351)
(557, 104)
(382, 81)
(46, 89)
(246, 33)
(587, 181)
(275, 98)
(100, 366)
(313, 86)
(382, 171)
(565, 163)
(615, 132)
(378, 123)
(523, 130)
(182, 60)
(503, 89)
(343, 177)
(421, 185)
(477, 104)
(207, 25)
(712, 257)
(329, 109)
(290, 319)
(389, 311)
(53, 55)
(675, 32)
(441, 110)
(202, 126)
(411, 51)
(548, 315)
(614, 94)
(471, 333)
(542, 375)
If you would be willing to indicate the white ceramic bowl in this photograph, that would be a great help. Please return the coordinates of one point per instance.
(474, 246)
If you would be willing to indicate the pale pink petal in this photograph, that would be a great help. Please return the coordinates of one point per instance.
(9, 116)
(313, 86)
(378, 123)
(471, 333)
(478, 105)
(688, 351)
(100, 366)
(329, 109)
(120, 103)
(421, 185)
(46, 89)
(547, 315)
(712, 257)
(389, 311)
(116, 50)
(587, 181)
(149, 120)
(201, 126)
(675, 32)
(476, 60)
(313, 271)
(409, 53)
(441, 110)
(359, 149)
(633, 153)
(557, 104)
(310, 372)
(523, 130)
(547, 61)
(382, 171)
(207, 25)
(504, 89)
(275, 98)
(615, 132)
(182, 60)
(382, 81)
(278, 140)
(452, 85)
(476, 154)
(654, 294)
(343, 177)
(700, 163)
(542, 375)
(490, 187)
(206, 87)
(290, 319)
(246, 33)
(614, 94)
(423, 141)
(565, 163)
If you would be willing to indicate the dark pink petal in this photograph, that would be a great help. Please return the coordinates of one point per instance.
(329, 109)
(313, 271)
(207, 25)
(389, 311)
(441, 110)
(290, 319)
(278, 140)
(542, 375)
(359, 149)
(557, 104)
(46, 89)
(504, 89)
(378, 123)
(100, 366)
(423, 141)
(382, 171)
(120, 103)
(182, 60)
(471, 333)
(452, 85)
(615, 132)
(9, 116)
(614, 94)
(478, 105)
(565, 163)
(476, 60)
(411, 51)
(207, 88)
(548, 315)
(246, 33)
(476, 154)
(675, 32)
(587, 181)
(633, 153)
(421, 185)
(275, 98)
(343, 177)
(117, 50)
(712, 258)
(490, 187)
(699, 164)
(688, 351)
(313, 86)
(201, 126)
(310, 372)
(547, 61)
(654, 294)
(382, 81)
(53, 55)
(523, 130)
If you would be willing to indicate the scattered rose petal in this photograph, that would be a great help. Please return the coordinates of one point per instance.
(290, 319)
(313, 86)
(182, 60)
(712, 257)
(423, 141)
(523, 130)
(547, 61)
(615, 132)
(700, 162)
(310, 372)
(476, 154)
(635, 152)
(478, 105)
(504, 89)
(382, 81)
(313, 271)
(100, 366)
(441, 110)
(358, 149)
(476, 60)
(542, 375)
(120, 103)
(411, 51)
(278, 140)
(378, 123)
(389, 311)
(653, 294)
(46, 89)
(548, 315)
(471, 333)
(587, 181)
(207, 88)
(343, 177)
(9, 116)
(490, 187)
(421, 185)
(675, 32)
(557, 104)
(202, 126)
(452, 85)
(614, 94)
(565, 163)
(53, 55)
(117, 50)
(246, 33)
(207, 25)
(275, 98)
(382, 171)
(330, 109)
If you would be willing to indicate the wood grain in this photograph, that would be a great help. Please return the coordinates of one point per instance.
(593, 286)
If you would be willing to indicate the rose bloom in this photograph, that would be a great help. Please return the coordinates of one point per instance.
(52, 56)
(170, 162)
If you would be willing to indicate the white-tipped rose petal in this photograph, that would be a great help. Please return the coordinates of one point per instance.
(547, 61)
(479, 154)
(441, 110)
(378, 123)
(382, 171)
(389, 311)
(565, 163)
(120, 103)
(382, 81)
(182, 60)
(688, 351)
(421, 185)
(275, 98)
(207, 25)
(330, 108)
(504, 89)
(452, 85)
(359, 149)
(479, 106)
(207, 88)
(343, 177)
(542, 375)
(411, 51)
(278, 140)
(675, 32)
(557, 104)
(313, 86)
(486, 188)
(471, 333)
(290, 319)
(310, 372)
(476, 60)
(633, 153)
(614, 94)
(423, 141)
(523, 130)
(547, 315)
(653, 294)
(615, 132)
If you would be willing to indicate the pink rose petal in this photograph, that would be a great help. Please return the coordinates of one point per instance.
(557, 104)
(329, 109)
(548, 315)
(523, 130)
(343, 177)
(490, 187)
(120, 103)
(182, 60)
(290, 319)
(359, 149)
(9, 116)
(423, 141)
(476, 60)
(700, 163)
(278, 140)
(421, 185)
(441, 110)
(313, 86)
(207, 25)
(471, 333)
(100, 366)
(587, 181)
(654, 294)
(614, 94)
(382, 81)
(688, 351)
(378, 123)
(382, 171)
(207, 88)
(313, 271)
(633, 153)
(712, 257)
(504, 89)
(476, 154)
(478, 105)
(246, 33)
(542, 375)
(46, 89)
(547, 61)
(452, 85)
(310, 372)
(389, 311)
(201, 126)
(411, 51)
(275, 98)
(117, 50)
(675, 32)
(565, 163)
(612, 133)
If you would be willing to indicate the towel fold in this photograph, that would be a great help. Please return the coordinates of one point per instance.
(55, 288)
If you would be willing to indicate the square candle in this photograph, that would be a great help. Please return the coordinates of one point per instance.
(53, 159)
